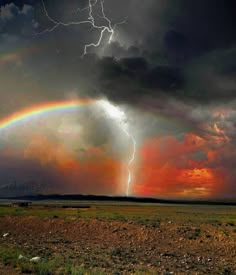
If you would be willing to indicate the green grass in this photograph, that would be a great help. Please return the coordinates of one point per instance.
(59, 265)
(9, 256)
(142, 213)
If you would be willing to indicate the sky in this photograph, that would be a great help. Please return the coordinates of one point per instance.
(167, 67)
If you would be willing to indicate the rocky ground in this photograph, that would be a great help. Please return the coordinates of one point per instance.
(125, 247)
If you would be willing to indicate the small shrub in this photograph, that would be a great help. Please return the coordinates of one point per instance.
(9, 256)
(26, 267)
(116, 252)
(226, 233)
(230, 223)
(227, 271)
(195, 234)
(215, 222)
(71, 269)
(43, 268)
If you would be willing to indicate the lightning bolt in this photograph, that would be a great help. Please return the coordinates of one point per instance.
(91, 21)
(113, 111)
(129, 179)
(119, 116)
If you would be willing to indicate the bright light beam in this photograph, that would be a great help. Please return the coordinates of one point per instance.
(118, 115)
(91, 21)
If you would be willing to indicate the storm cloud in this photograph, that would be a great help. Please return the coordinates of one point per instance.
(170, 65)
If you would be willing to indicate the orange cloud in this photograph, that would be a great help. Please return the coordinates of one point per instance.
(95, 173)
(193, 167)
(173, 168)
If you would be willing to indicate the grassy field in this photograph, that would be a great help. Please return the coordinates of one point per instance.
(124, 212)
(58, 265)
(131, 237)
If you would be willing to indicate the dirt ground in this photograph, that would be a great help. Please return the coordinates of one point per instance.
(125, 247)
(7, 270)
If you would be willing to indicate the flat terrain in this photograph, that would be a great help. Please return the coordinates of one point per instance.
(118, 239)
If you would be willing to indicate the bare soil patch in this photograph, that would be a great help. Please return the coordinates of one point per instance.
(125, 247)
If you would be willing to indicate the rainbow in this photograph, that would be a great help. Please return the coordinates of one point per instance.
(41, 109)
(16, 55)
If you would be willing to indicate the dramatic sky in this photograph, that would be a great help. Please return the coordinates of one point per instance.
(170, 67)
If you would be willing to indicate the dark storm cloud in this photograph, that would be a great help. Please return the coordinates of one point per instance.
(212, 76)
(130, 79)
(158, 56)
(197, 42)
(22, 177)
(154, 54)
(200, 26)
(158, 63)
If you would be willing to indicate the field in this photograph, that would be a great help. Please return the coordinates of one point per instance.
(112, 238)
